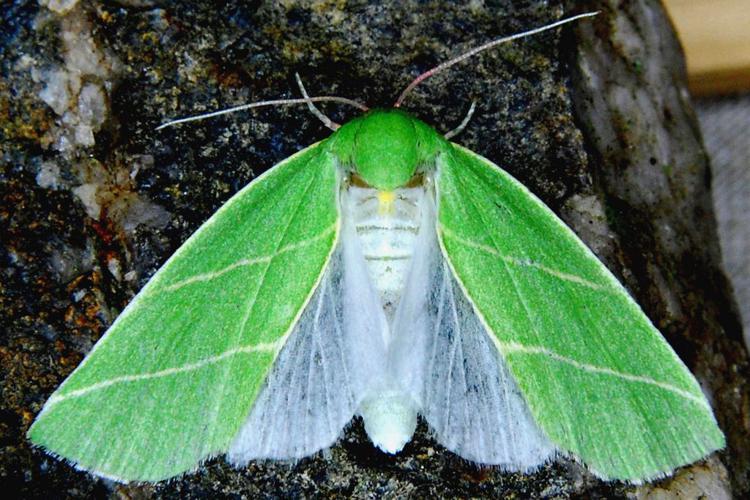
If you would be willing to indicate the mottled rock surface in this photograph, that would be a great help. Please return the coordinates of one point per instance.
(594, 119)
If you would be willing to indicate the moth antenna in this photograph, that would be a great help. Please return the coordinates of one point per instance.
(259, 104)
(488, 45)
(313, 109)
(462, 125)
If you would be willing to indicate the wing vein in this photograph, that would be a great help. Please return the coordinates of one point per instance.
(248, 261)
(516, 348)
(524, 262)
(248, 349)
(428, 391)
(316, 340)
(459, 339)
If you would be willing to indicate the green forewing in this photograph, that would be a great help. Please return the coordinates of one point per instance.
(175, 376)
(599, 379)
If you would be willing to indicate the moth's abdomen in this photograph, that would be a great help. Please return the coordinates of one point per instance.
(387, 223)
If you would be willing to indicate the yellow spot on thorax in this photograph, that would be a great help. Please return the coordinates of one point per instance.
(385, 202)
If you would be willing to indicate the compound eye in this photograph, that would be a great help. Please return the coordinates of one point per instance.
(356, 180)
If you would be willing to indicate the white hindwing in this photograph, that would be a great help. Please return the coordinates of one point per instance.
(447, 360)
(330, 360)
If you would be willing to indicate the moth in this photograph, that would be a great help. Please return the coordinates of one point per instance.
(384, 272)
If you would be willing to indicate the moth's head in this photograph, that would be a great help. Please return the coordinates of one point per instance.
(387, 147)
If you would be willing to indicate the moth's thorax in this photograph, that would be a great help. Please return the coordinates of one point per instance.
(387, 223)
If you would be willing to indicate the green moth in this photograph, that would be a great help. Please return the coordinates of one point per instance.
(388, 273)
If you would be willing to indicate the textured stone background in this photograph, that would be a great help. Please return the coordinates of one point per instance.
(594, 119)
(725, 122)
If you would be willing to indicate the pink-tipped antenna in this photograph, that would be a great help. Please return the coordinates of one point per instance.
(274, 102)
(488, 45)
(314, 110)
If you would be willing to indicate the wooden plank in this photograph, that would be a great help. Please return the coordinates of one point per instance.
(716, 37)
